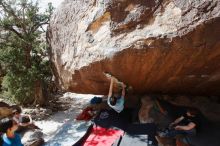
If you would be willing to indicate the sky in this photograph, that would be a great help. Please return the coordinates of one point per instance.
(43, 3)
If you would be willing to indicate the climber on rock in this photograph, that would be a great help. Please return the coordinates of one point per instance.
(116, 101)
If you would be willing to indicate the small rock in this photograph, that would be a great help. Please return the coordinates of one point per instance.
(33, 138)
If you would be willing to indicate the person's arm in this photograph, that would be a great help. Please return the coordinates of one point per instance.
(16, 120)
(110, 91)
(31, 120)
(190, 126)
(177, 121)
(123, 90)
(111, 88)
(160, 107)
(26, 124)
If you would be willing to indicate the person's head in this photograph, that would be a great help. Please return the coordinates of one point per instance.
(8, 125)
(192, 111)
(16, 110)
(114, 98)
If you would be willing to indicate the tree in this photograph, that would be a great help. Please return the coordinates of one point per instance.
(23, 51)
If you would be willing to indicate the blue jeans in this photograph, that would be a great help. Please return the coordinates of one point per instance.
(173, 132)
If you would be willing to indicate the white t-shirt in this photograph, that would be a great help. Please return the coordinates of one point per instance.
(119, 106)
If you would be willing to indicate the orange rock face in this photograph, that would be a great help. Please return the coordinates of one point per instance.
(154, 46)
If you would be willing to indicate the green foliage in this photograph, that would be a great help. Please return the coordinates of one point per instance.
(18, 88)
(23, 52)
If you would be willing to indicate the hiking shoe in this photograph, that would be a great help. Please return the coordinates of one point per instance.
(162, 134)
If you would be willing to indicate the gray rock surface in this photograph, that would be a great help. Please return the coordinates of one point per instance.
(33, 138)
(155, 46)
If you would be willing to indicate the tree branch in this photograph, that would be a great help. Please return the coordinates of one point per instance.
(36, 26)
(10, 12)
(10, 28)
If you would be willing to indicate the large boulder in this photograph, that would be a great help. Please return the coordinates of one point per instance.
(160, 46)
(5, 110)
(209, 107)
(3, 104)
(144, 113)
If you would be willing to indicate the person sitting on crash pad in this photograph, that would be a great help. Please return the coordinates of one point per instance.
(116, 102)
(187, 124)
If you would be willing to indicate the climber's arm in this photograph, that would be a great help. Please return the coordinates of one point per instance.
(111, 88)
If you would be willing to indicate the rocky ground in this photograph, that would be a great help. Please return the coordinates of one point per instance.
(56, 121)
(56, 125)
(61, 128)
(59, 103)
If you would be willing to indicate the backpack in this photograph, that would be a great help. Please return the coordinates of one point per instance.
(96, 100)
